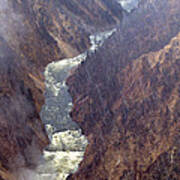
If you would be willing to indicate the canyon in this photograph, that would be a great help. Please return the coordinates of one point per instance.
(125, 95)
(33, 34)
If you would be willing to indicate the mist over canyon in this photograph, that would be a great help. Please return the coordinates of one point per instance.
(89, 90)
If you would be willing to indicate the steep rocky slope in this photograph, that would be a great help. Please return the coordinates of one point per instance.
(32, 34)
(127, 99)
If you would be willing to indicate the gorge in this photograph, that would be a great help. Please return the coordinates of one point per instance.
(123, 94)
(67, 146)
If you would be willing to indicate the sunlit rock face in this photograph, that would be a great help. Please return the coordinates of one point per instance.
(126, 98)
(67, 147)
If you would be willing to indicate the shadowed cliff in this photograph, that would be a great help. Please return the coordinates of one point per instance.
(126, 98)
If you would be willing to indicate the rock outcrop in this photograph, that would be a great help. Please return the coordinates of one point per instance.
(126, 99)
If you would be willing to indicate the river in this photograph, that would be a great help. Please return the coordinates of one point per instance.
(68, 144)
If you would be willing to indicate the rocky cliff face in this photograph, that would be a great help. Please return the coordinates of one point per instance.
(127, 99)
(32, 34)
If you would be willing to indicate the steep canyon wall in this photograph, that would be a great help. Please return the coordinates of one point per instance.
(126, 98)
